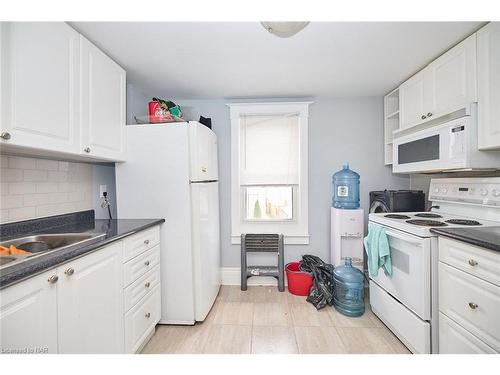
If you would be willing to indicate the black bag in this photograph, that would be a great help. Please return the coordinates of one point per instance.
(321, 293)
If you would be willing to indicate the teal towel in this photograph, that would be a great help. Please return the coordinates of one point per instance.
(377, 250)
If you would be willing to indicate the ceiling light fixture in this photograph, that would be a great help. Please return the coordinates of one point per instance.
(284, 29)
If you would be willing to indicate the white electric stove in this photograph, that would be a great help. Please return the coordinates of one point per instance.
(407, 301)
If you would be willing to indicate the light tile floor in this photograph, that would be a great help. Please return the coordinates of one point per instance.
(262, 320)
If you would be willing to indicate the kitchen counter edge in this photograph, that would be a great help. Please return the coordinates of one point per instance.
(35, 268)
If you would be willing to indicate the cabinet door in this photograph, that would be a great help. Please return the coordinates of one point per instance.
(28, 315)
(103, 104)
(412, 100)
(454, 339)
(40, 86)
(488, 74)
(90, 303)
(453, 78)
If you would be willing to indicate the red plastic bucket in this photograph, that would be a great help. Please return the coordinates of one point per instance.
(299, 282)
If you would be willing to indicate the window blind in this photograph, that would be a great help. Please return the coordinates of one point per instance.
(269, 149)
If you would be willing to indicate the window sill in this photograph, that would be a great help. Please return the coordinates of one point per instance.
(289, 240)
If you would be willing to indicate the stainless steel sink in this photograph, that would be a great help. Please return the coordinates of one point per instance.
(45, 243)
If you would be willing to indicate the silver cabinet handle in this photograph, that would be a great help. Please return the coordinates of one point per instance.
(87, 150)
(53, 279)
(429, 114)
(473, 305)
(147, 315)
(147, 285)
(146, 242)
(5, 135)
(423, 117)
(472, 262)
(146, 263)
(69, 271)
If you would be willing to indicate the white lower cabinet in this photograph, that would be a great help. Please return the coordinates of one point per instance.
(453, 339)
(142, 308)
(84, 306)
(469, 303)
(90, 303)
(28, 315)
(141, 320)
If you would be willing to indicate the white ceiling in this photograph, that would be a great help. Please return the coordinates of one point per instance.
(238, 60)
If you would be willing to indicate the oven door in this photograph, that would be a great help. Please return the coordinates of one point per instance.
(437, 149)
(410, 282)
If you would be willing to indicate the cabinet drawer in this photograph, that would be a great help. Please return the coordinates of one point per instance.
(140, 265)
(453, 339)
(474, 260)
(142, 286)
(141, 319)
(471, 302)
(140, 242)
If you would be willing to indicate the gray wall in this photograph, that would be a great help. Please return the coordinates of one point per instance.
(340, 130)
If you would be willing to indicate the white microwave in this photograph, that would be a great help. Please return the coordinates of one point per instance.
(451, 146)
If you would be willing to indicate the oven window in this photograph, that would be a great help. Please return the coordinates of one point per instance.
(421, 150)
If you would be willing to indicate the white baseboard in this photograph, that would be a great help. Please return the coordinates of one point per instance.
(232, 276)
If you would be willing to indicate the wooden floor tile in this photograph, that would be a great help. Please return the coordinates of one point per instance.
(319, 340)
(271, 314)
(273, 340)
(228, 339)
(306, 315)
(240, 313)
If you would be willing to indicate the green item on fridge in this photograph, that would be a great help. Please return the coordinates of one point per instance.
(176, 111)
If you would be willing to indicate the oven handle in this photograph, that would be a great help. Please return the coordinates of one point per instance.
(404, 238)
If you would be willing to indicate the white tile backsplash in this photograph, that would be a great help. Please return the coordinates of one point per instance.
(32, 187)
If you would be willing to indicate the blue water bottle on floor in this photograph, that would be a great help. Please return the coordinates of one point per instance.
(345, 189)
(348, 289)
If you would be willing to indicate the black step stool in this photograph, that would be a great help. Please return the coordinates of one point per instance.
(262, 243)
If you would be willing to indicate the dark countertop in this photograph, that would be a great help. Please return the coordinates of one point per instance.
(114, 230)
(487, 237)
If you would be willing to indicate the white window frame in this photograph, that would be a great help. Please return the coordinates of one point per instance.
(296, 231)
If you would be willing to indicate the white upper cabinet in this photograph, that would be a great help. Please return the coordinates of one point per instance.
(488, 72)
(412, 100)
(103, 89)
(446, 85)
(40, 85)
(28, 315)
(90, 303)
(60, 93)
(453, 78)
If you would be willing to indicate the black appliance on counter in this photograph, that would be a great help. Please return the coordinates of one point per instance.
(397, 201)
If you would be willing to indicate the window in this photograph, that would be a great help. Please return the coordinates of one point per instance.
(269, 170)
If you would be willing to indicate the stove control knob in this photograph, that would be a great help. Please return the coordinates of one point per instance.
(444, 190)
(483, 192)
(495, 192)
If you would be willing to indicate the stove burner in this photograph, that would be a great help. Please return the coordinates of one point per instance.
(396, 216)
(463, 222)
(427, 223)
(429, 215)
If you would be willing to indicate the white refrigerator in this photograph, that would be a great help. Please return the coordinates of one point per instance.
(171, 172)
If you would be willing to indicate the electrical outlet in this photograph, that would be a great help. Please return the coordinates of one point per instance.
(102, 189)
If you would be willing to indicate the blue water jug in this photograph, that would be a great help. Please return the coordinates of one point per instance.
(348, 289)
(345, 188)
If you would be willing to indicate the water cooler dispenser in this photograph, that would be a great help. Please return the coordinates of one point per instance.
(347, 231)
(347, 219)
